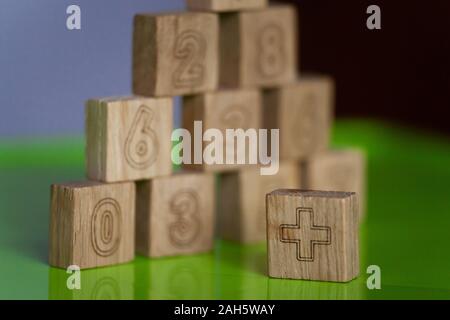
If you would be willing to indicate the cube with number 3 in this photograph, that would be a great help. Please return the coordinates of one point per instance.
(175, 53)
(175, 215)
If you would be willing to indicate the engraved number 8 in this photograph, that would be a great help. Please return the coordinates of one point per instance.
(271, 59)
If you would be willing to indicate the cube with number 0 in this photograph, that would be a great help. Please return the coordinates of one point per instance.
(91, 224)
(175, 53)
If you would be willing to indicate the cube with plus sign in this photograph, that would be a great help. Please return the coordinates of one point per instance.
(312, 235)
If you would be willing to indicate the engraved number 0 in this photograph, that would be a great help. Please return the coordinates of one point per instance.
(190, 48)
(106, 227)
(271, 58)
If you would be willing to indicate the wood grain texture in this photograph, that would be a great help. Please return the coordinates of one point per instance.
(175, 53)
(338, 170)
(304, 113)
(260, 47)
(242, 201)
(128, 138)
(175, 215)
(313, 235)
(226, 109)
(225, 5)
(91, 224)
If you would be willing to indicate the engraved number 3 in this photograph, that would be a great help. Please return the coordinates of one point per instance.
(190, 48)
(184, 230)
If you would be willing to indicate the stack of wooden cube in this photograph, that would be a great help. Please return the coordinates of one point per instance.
(235, 64)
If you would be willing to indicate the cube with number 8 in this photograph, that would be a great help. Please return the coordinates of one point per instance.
(260, 47)
(175, 53)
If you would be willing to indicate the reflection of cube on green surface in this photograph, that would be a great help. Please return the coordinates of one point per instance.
(175, 278)
(240, 271)
(280, 289)
(111, 283)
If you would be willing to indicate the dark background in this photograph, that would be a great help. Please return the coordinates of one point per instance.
(401, 72)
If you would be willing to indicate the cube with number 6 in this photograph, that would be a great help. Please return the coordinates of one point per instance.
(128, 138)
(175, 53)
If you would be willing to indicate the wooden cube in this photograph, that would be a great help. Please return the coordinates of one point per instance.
(228, 109)
(260, 47)
(303, 112)
(225, 5)
(175, 53)
(92, 224)
(313, 235)
(337, 170)
(175, 215)
(128, 138)
(242, 201)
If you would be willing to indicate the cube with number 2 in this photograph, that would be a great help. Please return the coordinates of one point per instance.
(175, 54)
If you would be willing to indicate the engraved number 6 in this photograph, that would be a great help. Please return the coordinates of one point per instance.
(141, 147)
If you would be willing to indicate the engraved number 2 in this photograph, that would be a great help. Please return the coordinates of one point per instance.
(190, 49)
(271, 56)
(141, 147)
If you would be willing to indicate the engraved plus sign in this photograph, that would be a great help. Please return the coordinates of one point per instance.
(305, 234)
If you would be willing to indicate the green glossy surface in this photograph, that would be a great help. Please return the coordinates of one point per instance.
(406, 232)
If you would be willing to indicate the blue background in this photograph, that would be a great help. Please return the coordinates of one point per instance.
(47, 72)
